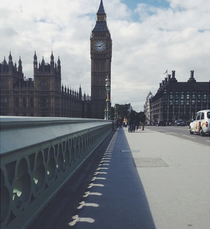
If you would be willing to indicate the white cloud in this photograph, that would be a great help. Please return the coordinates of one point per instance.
(174, 38)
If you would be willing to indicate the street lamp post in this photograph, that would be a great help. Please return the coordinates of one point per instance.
(107, 110)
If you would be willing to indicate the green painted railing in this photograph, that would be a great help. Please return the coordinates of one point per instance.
(38, 157)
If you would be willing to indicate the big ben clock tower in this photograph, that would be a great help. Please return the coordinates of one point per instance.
(101, 54)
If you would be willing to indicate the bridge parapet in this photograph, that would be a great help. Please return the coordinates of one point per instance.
(38, 156)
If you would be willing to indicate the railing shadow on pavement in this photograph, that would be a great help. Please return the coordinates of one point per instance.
(110, 195)
(70, 199)
(132, 198)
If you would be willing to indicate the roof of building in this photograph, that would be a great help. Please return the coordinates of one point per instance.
(101, 25)
(172, 86)
(101, 8)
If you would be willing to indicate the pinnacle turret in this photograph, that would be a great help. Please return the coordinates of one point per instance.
(101, 9)
(101, 19)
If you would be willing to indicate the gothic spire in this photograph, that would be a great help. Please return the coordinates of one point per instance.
(101, 8)
(20, 65)
(35, 56)
(20, 61)
(10, 57)
(52, 57)
(101, 25)
(59, 62)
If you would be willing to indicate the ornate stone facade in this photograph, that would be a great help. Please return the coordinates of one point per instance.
(41, 96)
(179, 100)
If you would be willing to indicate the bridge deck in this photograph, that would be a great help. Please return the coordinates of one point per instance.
(142, 180)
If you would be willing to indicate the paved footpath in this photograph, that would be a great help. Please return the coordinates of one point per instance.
(147, 180)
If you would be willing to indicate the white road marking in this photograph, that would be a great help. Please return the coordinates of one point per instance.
(102, 161)
(91, 193)
(102, 164)
(101, 168)
(76, 219)
(83, 204)
(98, 178)
(95, 185)
(96, 173)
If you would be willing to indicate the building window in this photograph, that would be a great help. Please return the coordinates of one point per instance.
(44, 101)
(182, 108)
(44, 84)
(32, 102)
(17, 102)
(2, 83)
(24, 101)
(97, 66)
(182, 95)
(103, 63)
(3, 101)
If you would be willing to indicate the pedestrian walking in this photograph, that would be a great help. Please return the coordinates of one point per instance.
(131, 120)
(142, 120)
(137, 120)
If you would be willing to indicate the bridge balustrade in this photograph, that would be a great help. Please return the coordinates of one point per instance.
(38, 157)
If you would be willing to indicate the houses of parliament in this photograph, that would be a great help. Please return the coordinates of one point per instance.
(45, 96)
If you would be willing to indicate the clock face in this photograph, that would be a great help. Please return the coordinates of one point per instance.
(100, 46)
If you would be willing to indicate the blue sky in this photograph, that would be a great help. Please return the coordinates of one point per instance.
(157, 3)
(148, 37)
(132, 5)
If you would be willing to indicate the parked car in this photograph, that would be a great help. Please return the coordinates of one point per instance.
(201, 124)
(161, 123)
(179, 123)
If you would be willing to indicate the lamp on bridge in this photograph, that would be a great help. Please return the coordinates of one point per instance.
(107, 110)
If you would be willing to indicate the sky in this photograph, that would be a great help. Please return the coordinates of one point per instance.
(148, 36)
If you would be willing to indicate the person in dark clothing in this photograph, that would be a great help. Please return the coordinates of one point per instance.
(142, 120)
(131, 120)
(137, 120)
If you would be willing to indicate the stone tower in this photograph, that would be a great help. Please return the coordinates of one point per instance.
(101, 54)
(47, 87)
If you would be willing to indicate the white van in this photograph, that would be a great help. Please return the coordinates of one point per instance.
(201, 124)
